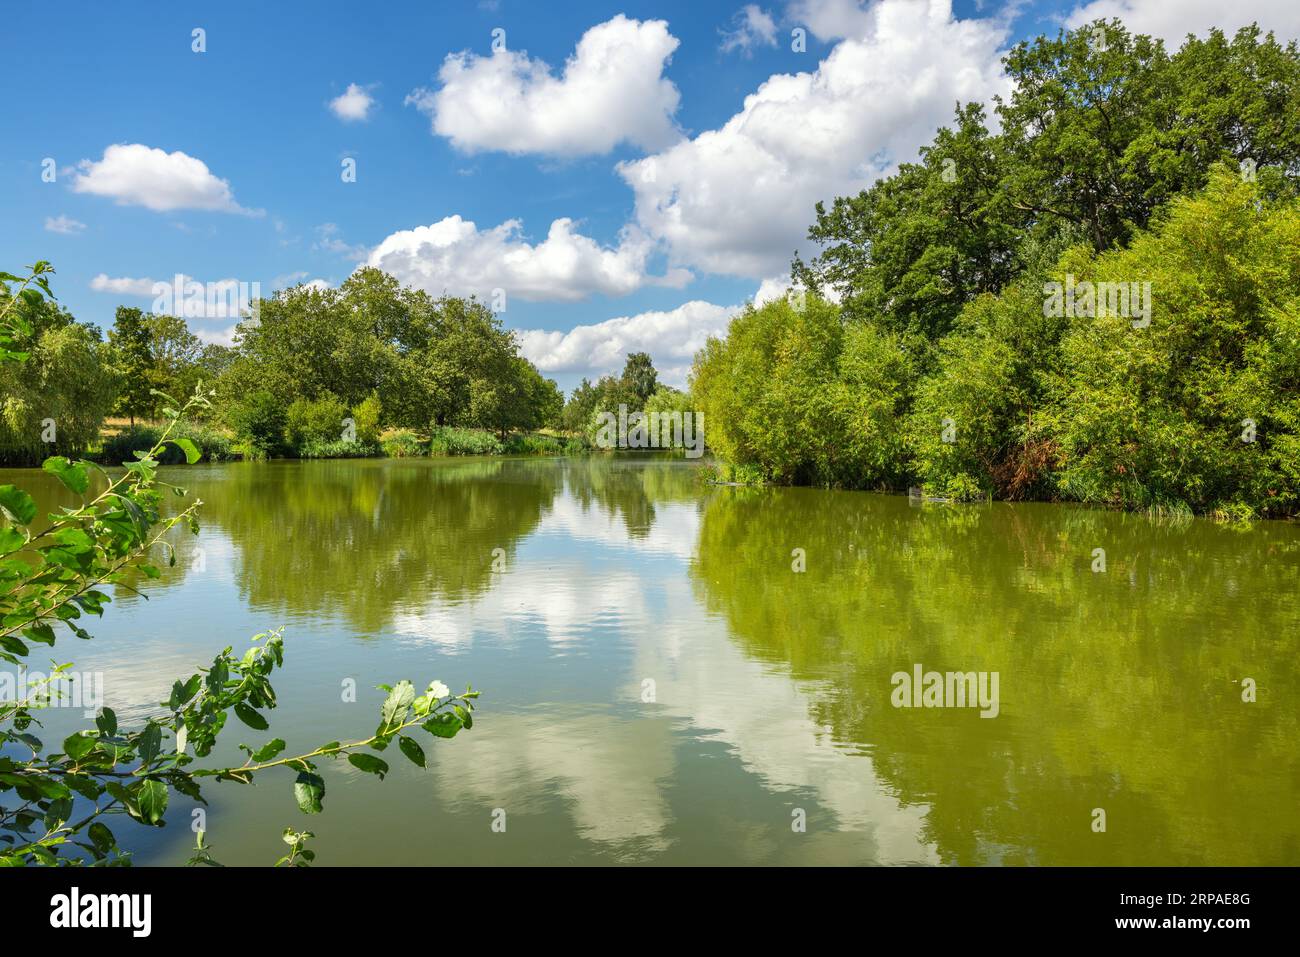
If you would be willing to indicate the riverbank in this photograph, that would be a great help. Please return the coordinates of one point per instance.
(119, 442)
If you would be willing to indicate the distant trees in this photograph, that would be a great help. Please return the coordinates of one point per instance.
(634, 387)
(426, 362)
(54, 400)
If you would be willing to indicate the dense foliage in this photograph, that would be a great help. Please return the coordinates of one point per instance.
(381, 355)
(313, 372)
(949, 361)
(54, 802)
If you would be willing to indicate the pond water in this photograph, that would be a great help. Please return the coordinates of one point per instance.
(660, 685)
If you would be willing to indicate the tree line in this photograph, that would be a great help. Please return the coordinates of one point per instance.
(933, 345)
(312, 371)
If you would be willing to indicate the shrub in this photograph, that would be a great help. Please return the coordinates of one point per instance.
(404, 444)
(258, 423)
(314, 420)
(533, 444)
(337, 449)
(214, 445)
(365, 418)
(1200, 408)
(447, 440)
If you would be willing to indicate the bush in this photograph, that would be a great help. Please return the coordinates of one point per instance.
(404, 444)
(1201, 408)
(802, 398)
(446, 440)
(258, 423)
(214, 445)
(534, 444)
(337, 449)
(315, 421)
(365, 418)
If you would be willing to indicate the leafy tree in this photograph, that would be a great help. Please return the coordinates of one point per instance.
(56, 397)
(1101, 130)
(914, 248)
(639, 377)
(1200, 409)
(131, 341)
(64, 796)
(794, 397)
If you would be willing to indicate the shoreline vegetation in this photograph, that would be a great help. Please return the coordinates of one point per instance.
(1092, 297)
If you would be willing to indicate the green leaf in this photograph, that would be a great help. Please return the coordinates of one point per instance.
(412, 750)
(69, 473)
(192, 453)
(398, 700)
(151, 798)
(444, 725)
(11, 540)
(17, 504)
(102, 838)
(40, 632)
(250, 717)
(269, 750)
(149, 742)
(78, 745)
(309, 791)
(369, 763)
(107, 723)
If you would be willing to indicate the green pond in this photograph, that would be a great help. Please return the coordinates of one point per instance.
(660, 685)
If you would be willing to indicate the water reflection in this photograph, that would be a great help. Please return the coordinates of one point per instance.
(663, 687)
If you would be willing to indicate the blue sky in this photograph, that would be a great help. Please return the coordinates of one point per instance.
(669, 198)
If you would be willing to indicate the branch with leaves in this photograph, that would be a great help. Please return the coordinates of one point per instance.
(52, 575)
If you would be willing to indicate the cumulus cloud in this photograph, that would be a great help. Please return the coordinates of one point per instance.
(133, 174)
(454, 256)
(183, 295)
(122, 286)
(353, 104)
(64, 225)
(329, 238)
(612, 90)
(1173, 21)
(671, 337)
(737, 200)
(753, 27)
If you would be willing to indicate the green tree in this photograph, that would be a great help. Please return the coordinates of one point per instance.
(63, 796)
(55, 399)
(131, 341)
(639, 377)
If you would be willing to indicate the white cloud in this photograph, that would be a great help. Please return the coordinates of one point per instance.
(298, 278)
(122, 286)
(184, 296)
(612, 90)
(754, 27)
(217, 337)
(1173, 21)
(353, 104)
(64, 225)
(672, 338)
(831, 19)
(454, 256)
(137, 175)
(330, 240)
(738, 200)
